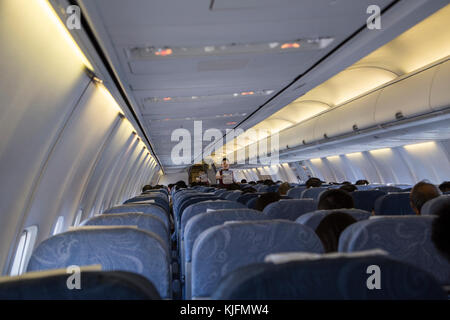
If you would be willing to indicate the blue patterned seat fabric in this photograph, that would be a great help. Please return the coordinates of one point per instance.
(295, 193)
(233, 196)
(434, 205)
(141, 208)
(313, 193)
(95, 285)
(365, 199)
(251, 204)
(394, 204)
(147, 222)
(244, 198)
(203, 221)
(200, 207)
(289, 209)
(222, 249)
(114, 248)
(313, 219)
(339, 278)
(405, 238)
(159, 200)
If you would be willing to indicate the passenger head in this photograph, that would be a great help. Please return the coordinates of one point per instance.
(268, 182)
(313, 183)
(349, 187)
(180, 184)
(440, 231)
(335, 199)
(266, 199)
(284, 188)
(421, 193)
(252, 183)
(331, 227)
(346, 182)
(147, 187)
(444, 186)
(225, 164)
(361, 182)
(243, 181)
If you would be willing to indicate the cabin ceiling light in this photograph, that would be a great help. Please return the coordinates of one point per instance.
(209, 97)
(152, 52)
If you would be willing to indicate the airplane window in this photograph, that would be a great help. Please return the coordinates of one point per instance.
(24, 249)
(58, 225)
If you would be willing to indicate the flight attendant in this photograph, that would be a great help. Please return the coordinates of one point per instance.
(225, 175)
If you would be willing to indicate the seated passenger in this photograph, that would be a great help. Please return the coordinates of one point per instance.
(266, 199)
(331, 227)
(243, 181)
(349, 187)
(335, 199)
(362, 182)
(346, 182)
(248, 190)
(313, 182)
(268, 182)
(440, 231)
(284, 188)
(445, 186)
(421, 193)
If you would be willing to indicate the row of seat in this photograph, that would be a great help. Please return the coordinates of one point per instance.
(195, 221)
(224, 247)
(133, 237)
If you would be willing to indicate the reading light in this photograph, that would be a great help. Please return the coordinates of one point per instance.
(231, 123)
(248, 93)
(290, 45)
(163, 52)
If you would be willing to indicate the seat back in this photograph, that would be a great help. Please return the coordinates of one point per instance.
(295, 193)
(434, 205)
(327, 278)
(205, 220)
(202, 222)
(394, 204)
(147, 222)
(405, 238)
(96, 285)
(244, 198)
(289, 209)
(251, 204)
(365, 199)
(233, 195)
(389, 189)
(201, 207)
(313, 219)
(141, 208)
(114, 248)
(313, 193)
(222, 249)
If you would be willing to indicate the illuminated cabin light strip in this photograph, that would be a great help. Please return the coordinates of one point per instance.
(152, 52)
(209, 97)
(421, 145)
(61, 27)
